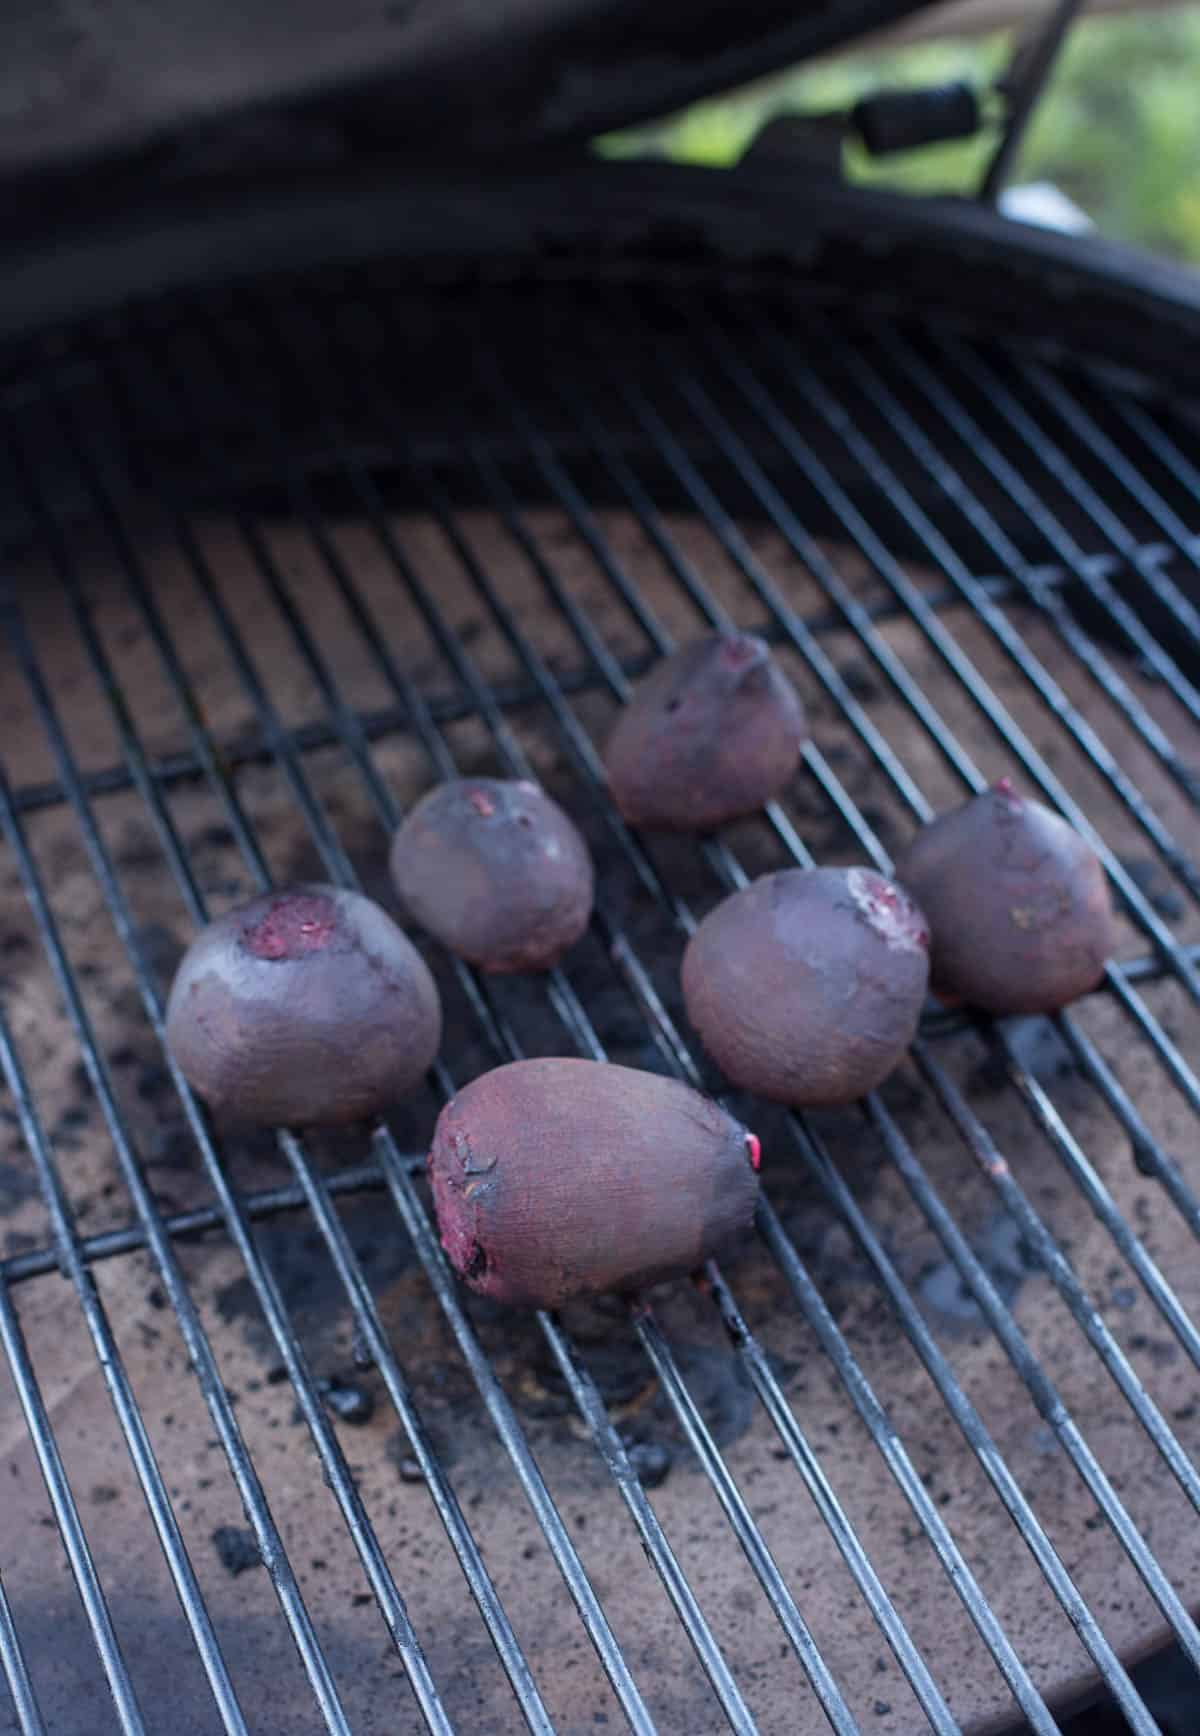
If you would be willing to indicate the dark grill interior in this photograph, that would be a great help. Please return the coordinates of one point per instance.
(925, 1456)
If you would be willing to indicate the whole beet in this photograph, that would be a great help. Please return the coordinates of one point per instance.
(807, 986)
(305, 1006)
(560, 1178)
(496, 871)
(713, 732)
(1017, 902)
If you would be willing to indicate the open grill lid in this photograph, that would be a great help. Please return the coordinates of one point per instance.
(442, 78)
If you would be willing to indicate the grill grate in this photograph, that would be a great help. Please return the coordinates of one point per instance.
(260, 587)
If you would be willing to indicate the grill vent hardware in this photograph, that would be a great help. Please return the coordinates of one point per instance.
(931, 1445)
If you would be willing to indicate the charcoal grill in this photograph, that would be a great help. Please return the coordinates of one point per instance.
(286, 545)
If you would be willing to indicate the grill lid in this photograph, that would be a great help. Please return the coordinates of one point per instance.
(451, 79)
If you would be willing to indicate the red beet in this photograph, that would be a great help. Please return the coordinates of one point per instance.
(560, 1178)
(496, 871)
(1018, 903)
(713, 732)
(807, 986)
(304, 1006)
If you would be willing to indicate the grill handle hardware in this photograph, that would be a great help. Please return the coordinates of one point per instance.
(902, 120)
(890, 121)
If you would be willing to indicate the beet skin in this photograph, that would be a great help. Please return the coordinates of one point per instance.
(561, 1178)
(713, 732)
(1017, 901)
(807, 986)
(496, 871)
(303, 1007)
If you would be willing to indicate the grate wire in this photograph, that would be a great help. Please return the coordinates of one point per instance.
(216, 349)
(735, 879)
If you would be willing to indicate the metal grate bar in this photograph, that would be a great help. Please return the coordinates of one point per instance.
(255, 342)
(267, 1537)
(754, 574)
(940, 550)
(741, 1523)
(587, 1397)
(376, 725)
(506, 508)
(103, 1339)
(104, 1342)
(971, 1424)
(1148, 1154)
(966, 427)
(950, 410)
(1085, 429)
(1148, 1151)
(1041, 1389)
(909, 1658)
(517, 763)
(903, 502)
(954, 489)
(818, 475)
(1166, 451)
(713, 1465)
(16, 1671)
(976, 1141)
(1052, 1261)
(459, 1532)
(611, 1448)
(1179, 1070)
(1052, 458)
(1056, 1266)
(901, 1467)
(607, 1441)
(1084, 1175)
(460, 660)
(783, 1419)
(705, 611)
(116, 1379)
(190, 1225)
(66, 1516)
(955, 1566)
(1147, 1147)
(1166, 1591)
(927, 1514)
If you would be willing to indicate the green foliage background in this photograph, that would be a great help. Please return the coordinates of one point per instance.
(1118, 130)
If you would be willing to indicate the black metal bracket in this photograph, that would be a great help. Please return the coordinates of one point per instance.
(1031, 64)
(888, 121)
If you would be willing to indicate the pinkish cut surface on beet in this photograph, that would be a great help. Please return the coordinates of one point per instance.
(496, 871)
(305, 1006)
(713, 732)
(559, 1178)
(807, 986)
(1017, 901)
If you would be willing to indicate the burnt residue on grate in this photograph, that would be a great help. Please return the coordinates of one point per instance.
(924, 1455)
